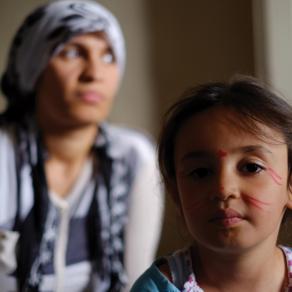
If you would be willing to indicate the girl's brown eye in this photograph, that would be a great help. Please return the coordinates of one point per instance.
(252, 168)
(201, 172)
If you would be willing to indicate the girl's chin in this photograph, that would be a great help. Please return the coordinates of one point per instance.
(226, 243)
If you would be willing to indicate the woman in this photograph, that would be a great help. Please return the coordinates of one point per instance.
(75, 191)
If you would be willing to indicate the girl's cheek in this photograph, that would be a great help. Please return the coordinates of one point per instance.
(258, 196)
(256, 202)
(275, 176)
(194, 205)
(190, 197)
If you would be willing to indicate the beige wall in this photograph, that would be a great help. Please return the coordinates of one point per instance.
(171, 45)
(199, 41)
(273, 44)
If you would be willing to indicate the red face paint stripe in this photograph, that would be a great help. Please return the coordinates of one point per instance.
(277, 179)
(255, 202)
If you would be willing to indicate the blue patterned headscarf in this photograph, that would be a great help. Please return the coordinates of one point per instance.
(44, 31)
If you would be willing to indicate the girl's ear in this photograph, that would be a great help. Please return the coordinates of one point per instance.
(173, 191)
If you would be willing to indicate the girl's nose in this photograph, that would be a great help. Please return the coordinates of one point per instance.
(226, 186)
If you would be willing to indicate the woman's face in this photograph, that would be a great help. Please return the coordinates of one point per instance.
(231, 184)
(79, 83)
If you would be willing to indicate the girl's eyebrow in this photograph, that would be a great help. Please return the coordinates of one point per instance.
(196, 154)
(254, 148)
(207, 154)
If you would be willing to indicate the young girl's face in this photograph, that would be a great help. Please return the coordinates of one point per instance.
(231, 184)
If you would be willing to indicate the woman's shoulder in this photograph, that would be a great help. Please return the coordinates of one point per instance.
(7, 136)
(127, 139)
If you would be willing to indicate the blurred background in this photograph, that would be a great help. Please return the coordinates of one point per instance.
(172, 45)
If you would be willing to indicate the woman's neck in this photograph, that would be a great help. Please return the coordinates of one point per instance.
(67, 154)
(71, 145)
(261, 269)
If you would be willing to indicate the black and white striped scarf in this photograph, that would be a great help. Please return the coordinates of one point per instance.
(38, 39)
(104, 230)
(44, 31)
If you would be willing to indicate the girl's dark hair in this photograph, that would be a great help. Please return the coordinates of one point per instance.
(253, 103)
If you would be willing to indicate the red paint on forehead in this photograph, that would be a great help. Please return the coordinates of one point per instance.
(222, 153)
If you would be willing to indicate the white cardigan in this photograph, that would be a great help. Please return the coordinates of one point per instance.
(142, 231)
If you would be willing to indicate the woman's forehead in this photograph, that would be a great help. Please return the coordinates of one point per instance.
(100, 35)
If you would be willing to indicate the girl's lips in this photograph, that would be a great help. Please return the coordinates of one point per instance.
(91, 97)
(226, 218)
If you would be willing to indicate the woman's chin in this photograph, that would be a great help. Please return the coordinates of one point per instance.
(92, 117)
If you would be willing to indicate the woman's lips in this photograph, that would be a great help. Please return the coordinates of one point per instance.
(226, 218)
(91, 97)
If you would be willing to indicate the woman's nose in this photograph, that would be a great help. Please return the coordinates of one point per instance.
(93, 70)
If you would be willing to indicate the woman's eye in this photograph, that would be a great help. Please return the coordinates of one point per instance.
(200, 172)
(252, 168)
(71, 53)
(108, 58)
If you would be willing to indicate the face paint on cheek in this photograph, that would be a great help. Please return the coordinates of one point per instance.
(255, 202)
(221, 153)
(276, 178)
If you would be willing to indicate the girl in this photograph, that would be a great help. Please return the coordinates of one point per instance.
(75, 191)
(225, 154)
